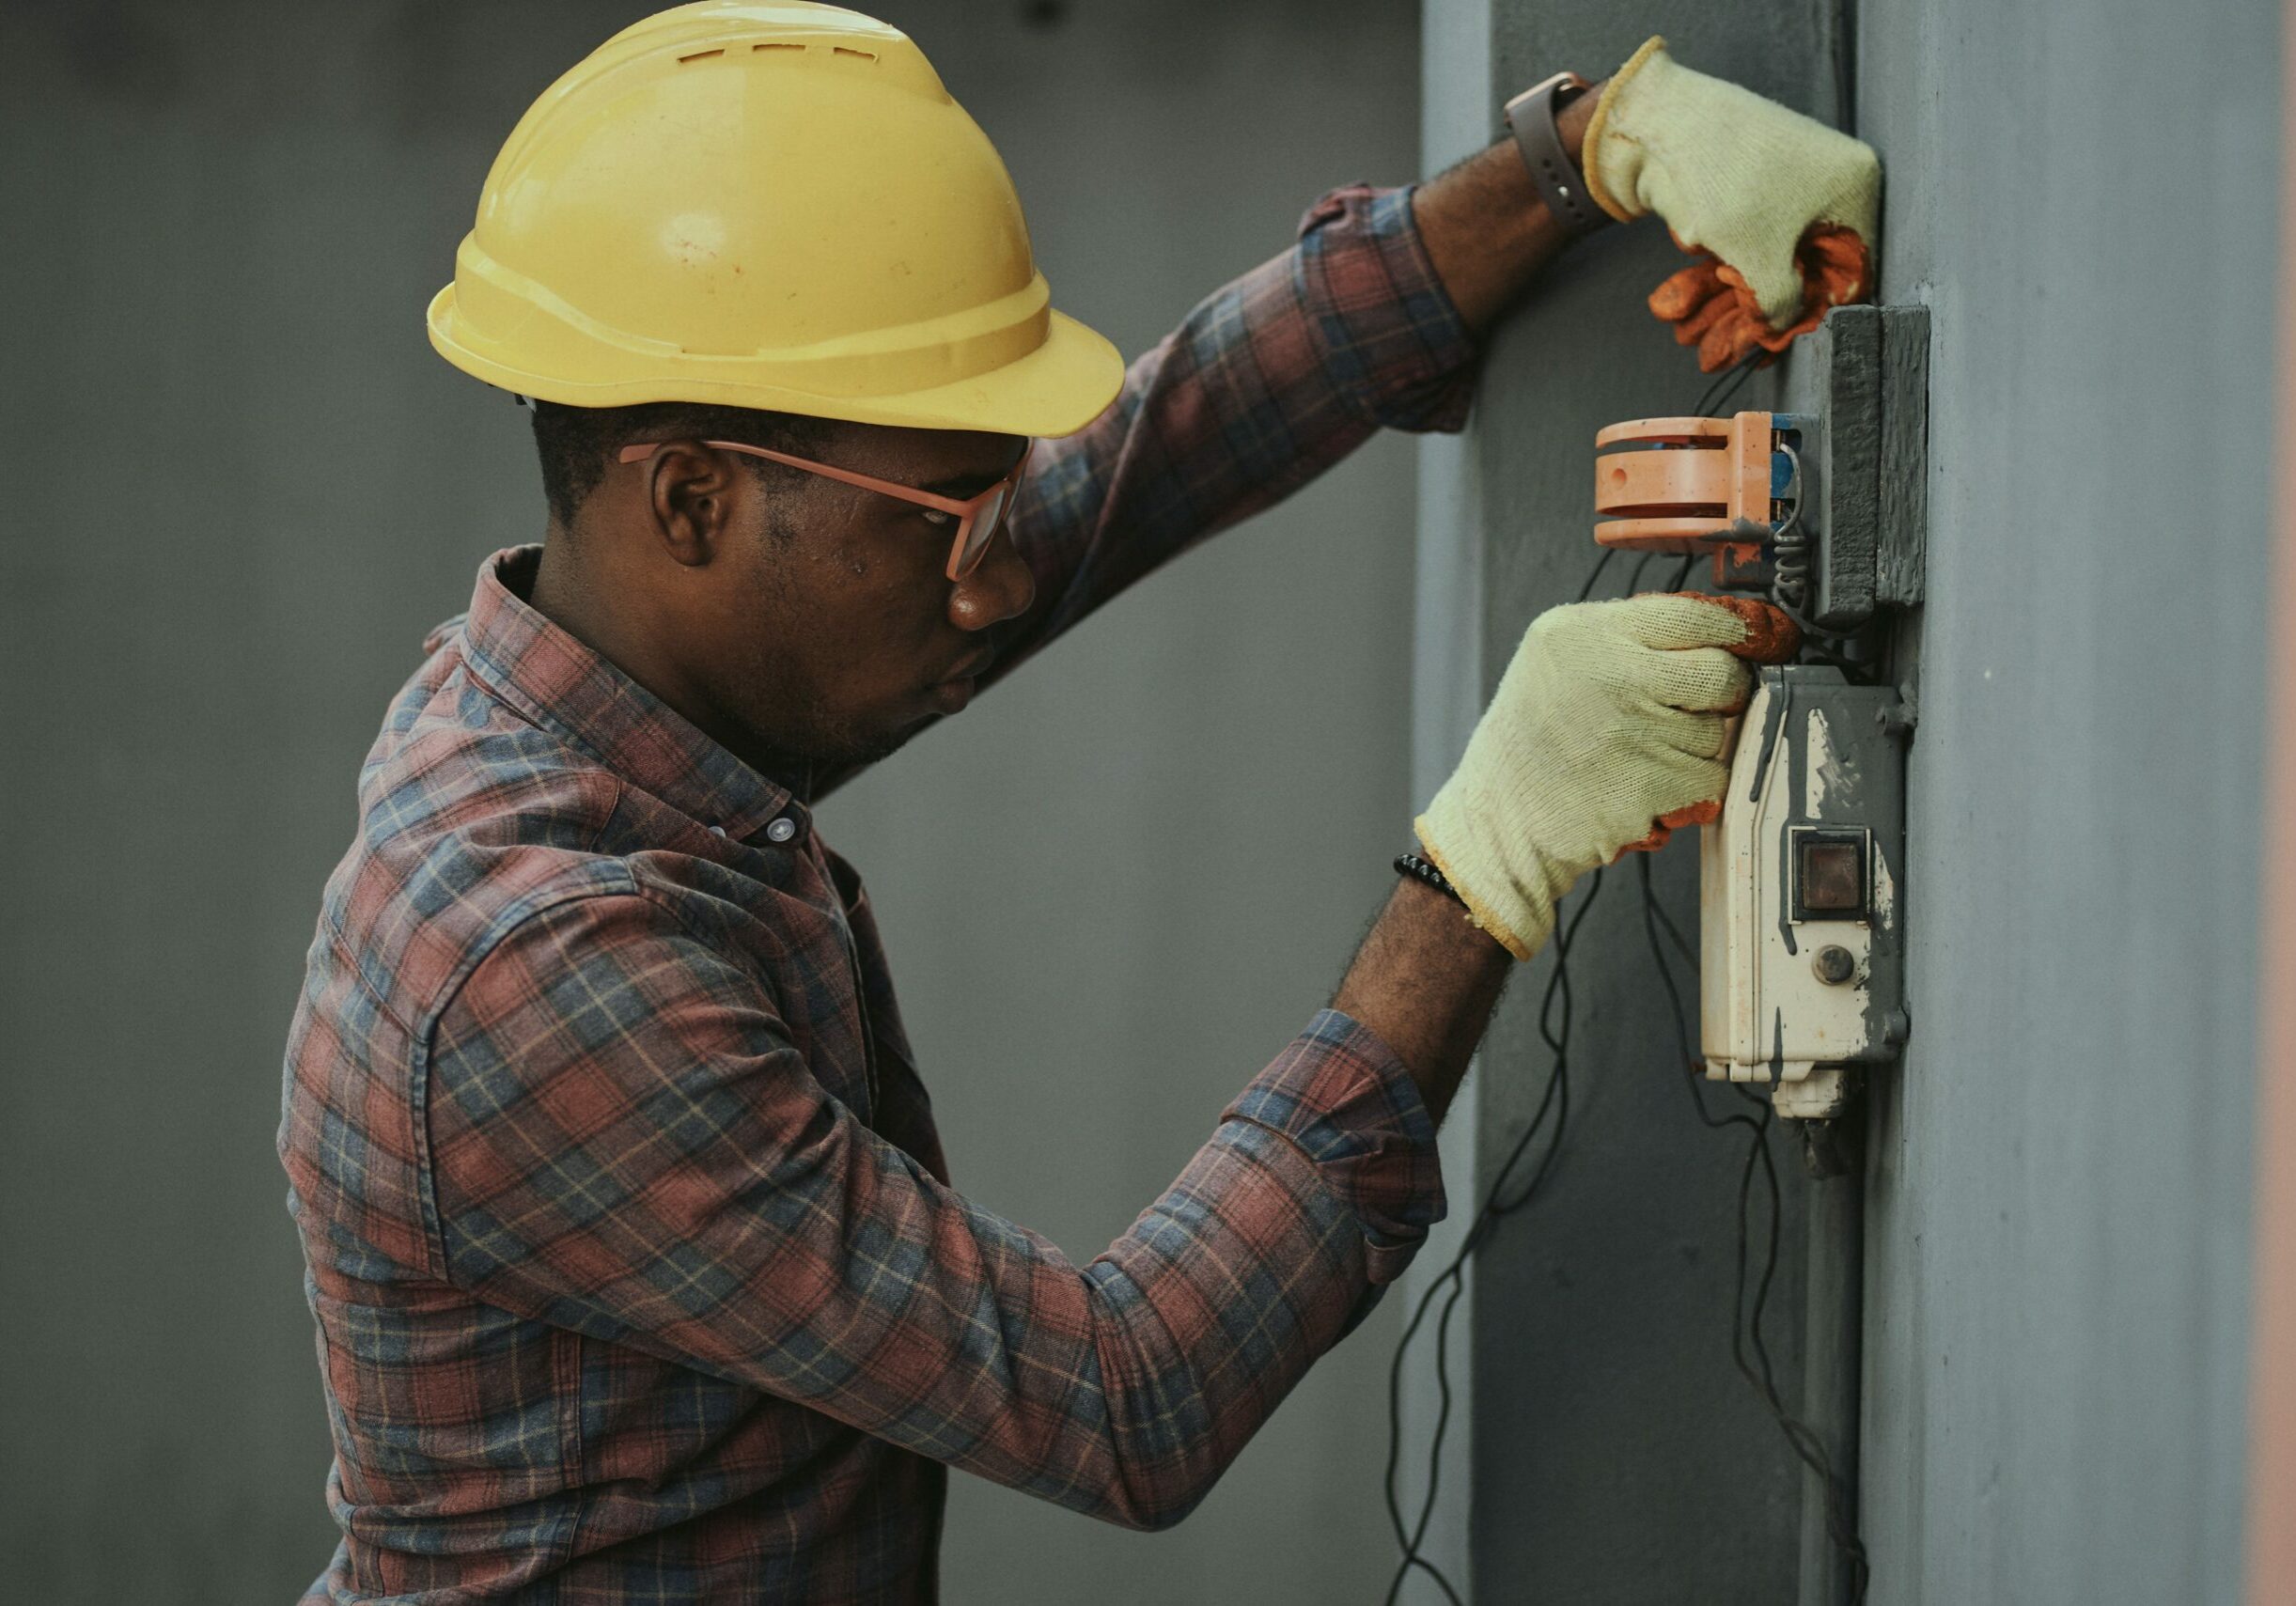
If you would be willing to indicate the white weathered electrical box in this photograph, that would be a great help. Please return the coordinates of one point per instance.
(1801, 886)
(1822, 510)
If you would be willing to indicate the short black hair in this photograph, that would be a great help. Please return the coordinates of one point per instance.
(576, 443)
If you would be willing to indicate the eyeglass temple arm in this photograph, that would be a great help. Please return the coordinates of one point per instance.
(644, 449)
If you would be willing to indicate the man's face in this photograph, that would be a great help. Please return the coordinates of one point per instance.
(824, 625)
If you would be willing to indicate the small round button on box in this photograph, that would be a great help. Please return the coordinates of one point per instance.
(1833, 964)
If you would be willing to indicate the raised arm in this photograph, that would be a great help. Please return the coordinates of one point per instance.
(1266, 383)
(1373, 317)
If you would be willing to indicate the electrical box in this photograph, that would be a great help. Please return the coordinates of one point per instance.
(1821, 511)
(1801, 891)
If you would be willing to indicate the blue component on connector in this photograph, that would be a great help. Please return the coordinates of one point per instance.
(1790, 426)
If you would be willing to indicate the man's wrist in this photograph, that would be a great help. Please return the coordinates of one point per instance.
(1535, 118)
(1424, 983)
(1484, 225)
(1571, 123)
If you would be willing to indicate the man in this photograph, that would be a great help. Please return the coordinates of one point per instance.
(636, 1268)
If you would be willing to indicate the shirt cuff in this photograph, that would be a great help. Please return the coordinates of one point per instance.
(1386, 327)
(1339, 1095)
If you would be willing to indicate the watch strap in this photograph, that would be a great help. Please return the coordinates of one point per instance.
(1560, 185)
(1419, 869)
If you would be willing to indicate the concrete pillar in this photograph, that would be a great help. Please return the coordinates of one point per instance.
(1616, 1454)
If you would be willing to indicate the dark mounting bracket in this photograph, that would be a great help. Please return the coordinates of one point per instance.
(1865, 468)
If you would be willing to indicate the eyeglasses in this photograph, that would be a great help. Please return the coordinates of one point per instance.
(978, 518)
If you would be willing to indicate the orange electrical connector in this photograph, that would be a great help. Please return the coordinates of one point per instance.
(1678, 484)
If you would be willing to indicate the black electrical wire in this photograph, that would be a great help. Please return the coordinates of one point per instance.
(1555, 1030)
(1596, 574)
(1554, 1017)
(1727, 382)
(1841, 1522)
(1748, 1349)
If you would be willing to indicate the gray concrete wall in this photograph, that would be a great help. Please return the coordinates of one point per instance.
(2057, 1276)
(242, 486)
(2057, 1245)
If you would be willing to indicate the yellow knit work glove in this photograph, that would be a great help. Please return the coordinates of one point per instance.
(1735, 174)
(1609, 720)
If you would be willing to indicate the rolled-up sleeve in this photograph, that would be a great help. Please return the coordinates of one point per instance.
(1266, 383)
(625, 1142)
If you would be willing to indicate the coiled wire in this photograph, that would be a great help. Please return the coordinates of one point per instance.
(1790, 551)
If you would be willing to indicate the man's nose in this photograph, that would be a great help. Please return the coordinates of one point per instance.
(999, 588)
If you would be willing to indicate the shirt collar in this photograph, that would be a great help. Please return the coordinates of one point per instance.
(569, 690)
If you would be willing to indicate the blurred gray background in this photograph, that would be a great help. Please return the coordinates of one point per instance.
(241, 487)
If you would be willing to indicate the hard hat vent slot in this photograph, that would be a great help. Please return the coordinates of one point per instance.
(864, 55)
(699, 55)
(777, 44)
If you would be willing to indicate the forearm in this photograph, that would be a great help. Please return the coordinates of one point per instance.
(814, 1260)
(1425, 982)
(1484, 226)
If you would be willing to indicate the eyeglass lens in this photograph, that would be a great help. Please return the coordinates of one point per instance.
(985, 525)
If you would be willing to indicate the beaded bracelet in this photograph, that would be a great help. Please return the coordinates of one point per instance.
(1418, 869)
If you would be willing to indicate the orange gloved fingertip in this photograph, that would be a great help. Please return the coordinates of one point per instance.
(1834, 243)
(1665, 825)
(1727, 339)
(1681, 293)
(1777, 340)
(1711, 311)
(1772, 637)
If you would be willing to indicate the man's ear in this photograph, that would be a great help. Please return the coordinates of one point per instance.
(690, 492)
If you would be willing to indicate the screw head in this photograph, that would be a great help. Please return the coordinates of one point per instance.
(1833, 964)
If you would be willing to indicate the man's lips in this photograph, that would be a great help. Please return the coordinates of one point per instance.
(971, 667)
(954, 690)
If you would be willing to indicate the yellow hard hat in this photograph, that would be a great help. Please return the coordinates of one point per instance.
(772, 206)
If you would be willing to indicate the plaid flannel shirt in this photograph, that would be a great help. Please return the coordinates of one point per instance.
(636, 1268)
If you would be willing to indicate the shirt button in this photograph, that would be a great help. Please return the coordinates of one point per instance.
(781, 830)
(717, 831)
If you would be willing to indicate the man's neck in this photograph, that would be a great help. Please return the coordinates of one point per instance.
(569, 599)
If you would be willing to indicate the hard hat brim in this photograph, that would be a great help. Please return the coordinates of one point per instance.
(1062, 385)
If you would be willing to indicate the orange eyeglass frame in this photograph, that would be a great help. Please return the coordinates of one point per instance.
(985, 512)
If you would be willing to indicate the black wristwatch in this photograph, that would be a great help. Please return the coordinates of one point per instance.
(1561, 186)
